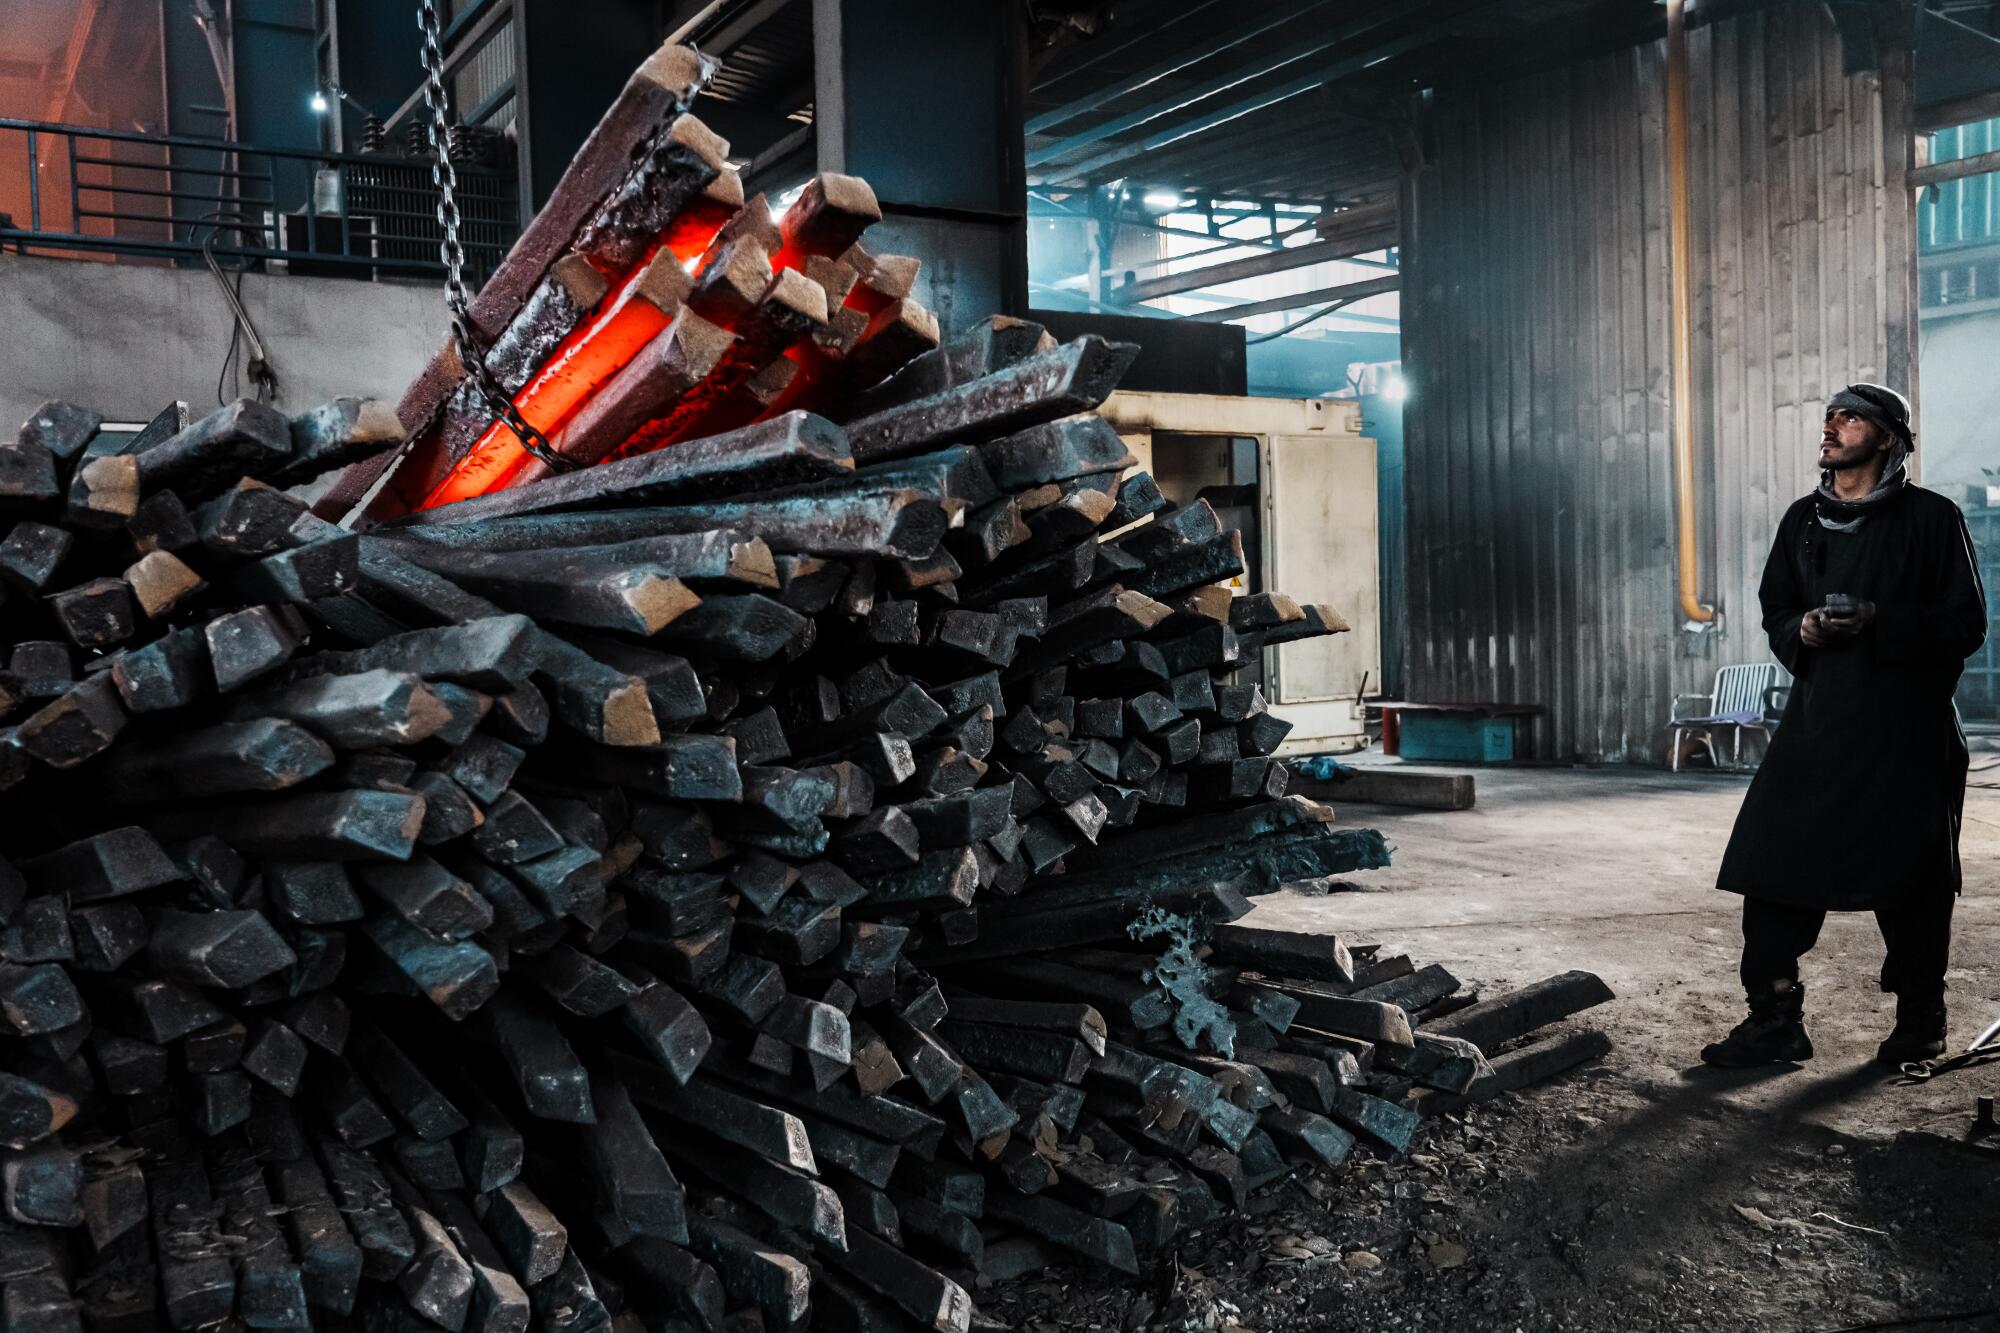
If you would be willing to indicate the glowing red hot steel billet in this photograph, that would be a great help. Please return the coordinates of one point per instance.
(826, 220)
(586, 359)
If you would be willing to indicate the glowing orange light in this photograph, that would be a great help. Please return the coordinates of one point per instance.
(689, 246)
(586, 359)
(812, 364)
(605, 344)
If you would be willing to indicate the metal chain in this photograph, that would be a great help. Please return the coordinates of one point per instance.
(444, 176)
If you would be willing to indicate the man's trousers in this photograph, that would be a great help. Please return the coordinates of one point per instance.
(1916, 938)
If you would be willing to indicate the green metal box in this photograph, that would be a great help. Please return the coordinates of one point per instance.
(1456, 738)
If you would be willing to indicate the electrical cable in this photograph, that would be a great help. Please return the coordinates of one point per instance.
(228, 359)
(241, 328)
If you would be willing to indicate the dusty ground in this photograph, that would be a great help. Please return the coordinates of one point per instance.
(1645, 1192)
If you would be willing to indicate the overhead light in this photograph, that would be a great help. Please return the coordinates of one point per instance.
(1394, 389)
(1166, 200)
(324, 95)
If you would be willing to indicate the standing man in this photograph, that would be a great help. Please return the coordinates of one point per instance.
(1872, 600)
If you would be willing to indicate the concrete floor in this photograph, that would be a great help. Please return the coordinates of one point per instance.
(1612, 870)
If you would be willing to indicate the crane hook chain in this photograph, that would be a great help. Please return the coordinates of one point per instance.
(445, 177)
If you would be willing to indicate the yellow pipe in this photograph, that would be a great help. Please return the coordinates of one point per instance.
(1681, 301)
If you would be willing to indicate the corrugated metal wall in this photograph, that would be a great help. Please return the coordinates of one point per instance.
(1538, 473)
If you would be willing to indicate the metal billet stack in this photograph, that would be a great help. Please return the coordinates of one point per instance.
(698, 890)
(700, 884)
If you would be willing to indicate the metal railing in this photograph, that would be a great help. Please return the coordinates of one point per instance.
(171, 197)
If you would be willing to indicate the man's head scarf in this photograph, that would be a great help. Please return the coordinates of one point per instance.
(1879, 404)
(1884, 407)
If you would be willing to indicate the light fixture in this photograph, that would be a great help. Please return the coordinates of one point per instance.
(1394, 389)
(324, 95)
(1167, 201)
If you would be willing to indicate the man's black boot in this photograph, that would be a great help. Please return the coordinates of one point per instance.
(1774, 1033)
(1919, 1030)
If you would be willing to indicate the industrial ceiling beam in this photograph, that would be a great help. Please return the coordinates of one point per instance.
(1101, 49)
(72, 59)
(1249, 72)
(1241, 158)
(1178, 101)
(1219, 241)
(750, 130)
(1174, 64)
(731, 34)
(1346, 291)
(1257, 266)
(691, 16)
(1953, 256)
(1957, 168)
(1098, 166)
(790, 157)
(463, 48)
(1958, 111)
(1374, 229)
(1217, 303)
(1233, 203)
(1417, 22)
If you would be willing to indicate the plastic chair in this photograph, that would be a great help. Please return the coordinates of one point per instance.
(1743, 698)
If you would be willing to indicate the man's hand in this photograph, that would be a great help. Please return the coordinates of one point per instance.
(1852, 624)
(1819, 628)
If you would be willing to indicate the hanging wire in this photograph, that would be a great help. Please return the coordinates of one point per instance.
(241, 327)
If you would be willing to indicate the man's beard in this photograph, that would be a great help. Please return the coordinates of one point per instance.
(1840, 464)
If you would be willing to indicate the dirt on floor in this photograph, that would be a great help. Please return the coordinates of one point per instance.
(1592, 1204)
(1644, 1191)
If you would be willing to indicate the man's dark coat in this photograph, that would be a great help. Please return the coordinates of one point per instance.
(1857, 805)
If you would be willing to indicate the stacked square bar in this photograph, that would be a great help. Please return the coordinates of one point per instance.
(781, 872)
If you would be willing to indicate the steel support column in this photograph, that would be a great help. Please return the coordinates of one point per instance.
(925, 101)
(570, 62)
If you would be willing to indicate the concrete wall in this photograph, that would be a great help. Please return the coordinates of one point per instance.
(125, 339)
(1958, 408)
